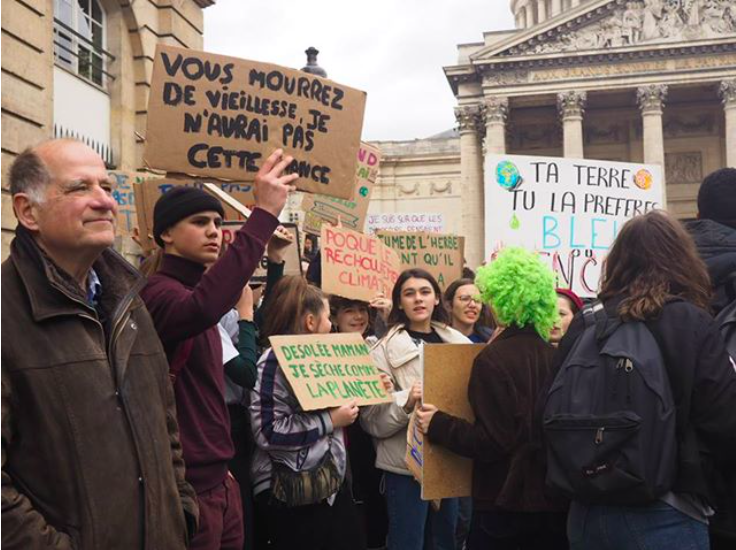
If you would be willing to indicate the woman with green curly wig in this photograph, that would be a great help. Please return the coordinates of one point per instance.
(510, 508)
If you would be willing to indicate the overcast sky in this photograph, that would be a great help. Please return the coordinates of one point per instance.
(392, 49)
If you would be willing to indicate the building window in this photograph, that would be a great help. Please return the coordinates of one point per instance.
(79, 39)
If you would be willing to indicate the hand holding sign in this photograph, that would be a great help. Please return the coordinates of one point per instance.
(277, 245)
(424, 417)
(272, 186)
(345, 415)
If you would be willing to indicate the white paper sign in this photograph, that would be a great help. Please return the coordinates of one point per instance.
(570, 210)
(396, 221)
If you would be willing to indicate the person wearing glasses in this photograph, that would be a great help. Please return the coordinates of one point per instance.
(468, 316)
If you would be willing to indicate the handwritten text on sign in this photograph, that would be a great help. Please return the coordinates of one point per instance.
(357, 266)
(395, 221)
(221, 116)
(350, 213)
(329, 370)
(440, 255)
(567, 209)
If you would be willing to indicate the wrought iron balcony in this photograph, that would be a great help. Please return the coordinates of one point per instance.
(82, 56)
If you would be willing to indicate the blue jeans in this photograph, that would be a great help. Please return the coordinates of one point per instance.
(409, 516)
(657, 526)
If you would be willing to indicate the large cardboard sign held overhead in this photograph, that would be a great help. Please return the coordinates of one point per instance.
(356, 266)
(329, 370)
(446, 375)
(292, 262)
(569, 210)
(217, 116)
(348, 213)
(440, 255)
(149, 191)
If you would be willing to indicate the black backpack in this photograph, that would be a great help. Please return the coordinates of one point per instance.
(609, 418)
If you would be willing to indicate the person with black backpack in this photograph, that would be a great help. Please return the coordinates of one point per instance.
(642, 399)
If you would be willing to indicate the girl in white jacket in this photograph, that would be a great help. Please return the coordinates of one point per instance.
(417, 316)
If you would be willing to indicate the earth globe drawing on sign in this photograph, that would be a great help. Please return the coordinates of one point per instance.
(507, 175)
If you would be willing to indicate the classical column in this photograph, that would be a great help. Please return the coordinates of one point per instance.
(471, 182)
(556, 7)
(728, 95)
(571, 106)
(495, 110)
(542, 10)
(651, 102)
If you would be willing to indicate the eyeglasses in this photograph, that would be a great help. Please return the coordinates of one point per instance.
(467, 298)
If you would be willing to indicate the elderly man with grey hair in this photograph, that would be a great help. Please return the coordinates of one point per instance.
(90, 446)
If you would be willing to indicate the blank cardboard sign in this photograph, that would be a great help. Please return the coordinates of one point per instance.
(447, 369)
(292, 261)
(221, 117)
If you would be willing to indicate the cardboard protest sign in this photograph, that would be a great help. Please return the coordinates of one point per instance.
(227, 200)
(124, 194)
(292, 261)
(329, 370)
(569, 210)
(440, 255)
(414, 449)
(349, 213)
(149, 191)
(356, 266)
(221, 117)
(446, 374)
(396, 221)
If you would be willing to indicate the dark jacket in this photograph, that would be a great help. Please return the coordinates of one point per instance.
(508, 471)
(717, 247)
(90, 448)
(703, 383)
(186, 303)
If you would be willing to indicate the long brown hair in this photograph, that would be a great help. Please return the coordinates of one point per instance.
(289, 301)
(654, 260)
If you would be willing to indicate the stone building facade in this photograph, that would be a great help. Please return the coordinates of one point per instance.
(626, 80)
(83, 68)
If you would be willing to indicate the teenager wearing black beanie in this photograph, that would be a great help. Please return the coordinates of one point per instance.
(186, 301)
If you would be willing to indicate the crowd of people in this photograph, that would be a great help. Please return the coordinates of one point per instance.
(144, 408)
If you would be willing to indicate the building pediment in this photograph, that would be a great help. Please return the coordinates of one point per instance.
(622, 25)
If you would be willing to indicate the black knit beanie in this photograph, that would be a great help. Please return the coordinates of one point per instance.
(717, 197)
(178, 203)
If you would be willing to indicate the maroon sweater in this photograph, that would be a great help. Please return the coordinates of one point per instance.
(187, 302)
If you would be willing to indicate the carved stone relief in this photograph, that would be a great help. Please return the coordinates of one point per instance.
(409, 189)
(690, 125)
(440, 189)
(538, 136)
(599, 133)
(683, 167)
(641, 22)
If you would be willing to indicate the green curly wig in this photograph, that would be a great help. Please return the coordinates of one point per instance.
(520, 289)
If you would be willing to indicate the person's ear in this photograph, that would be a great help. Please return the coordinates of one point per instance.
(166, 237)
(310, 323)
(26, 211)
